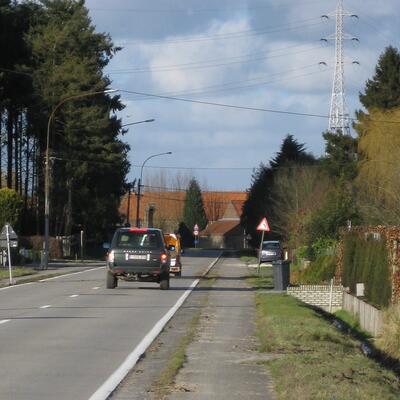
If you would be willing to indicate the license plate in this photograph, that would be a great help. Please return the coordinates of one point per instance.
(173, 262)
(136, 257)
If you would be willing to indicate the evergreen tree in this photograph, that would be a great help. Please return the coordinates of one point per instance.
(89, 161)
(193, 209)
(259, 202)
(383, 90)
(340, 155)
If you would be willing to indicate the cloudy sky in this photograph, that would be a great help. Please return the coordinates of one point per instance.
(262, 54)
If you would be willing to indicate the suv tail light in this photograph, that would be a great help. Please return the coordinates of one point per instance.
(110, 256)
(164, 258)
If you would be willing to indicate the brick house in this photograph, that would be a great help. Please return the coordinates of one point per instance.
(226, 232)
(164, 209)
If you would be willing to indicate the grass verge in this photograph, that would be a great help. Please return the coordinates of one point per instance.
(16, 272)
(316, 361)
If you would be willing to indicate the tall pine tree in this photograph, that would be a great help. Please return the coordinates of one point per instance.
(193, 209)
(383, 90)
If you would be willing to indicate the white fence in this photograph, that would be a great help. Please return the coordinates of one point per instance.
(370, 317)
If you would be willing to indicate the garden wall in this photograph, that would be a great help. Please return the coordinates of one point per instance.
(318, 295)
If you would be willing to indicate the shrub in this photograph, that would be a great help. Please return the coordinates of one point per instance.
(10, 207)
(365, 260)
(321, 270)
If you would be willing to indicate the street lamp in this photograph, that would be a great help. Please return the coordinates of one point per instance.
(45, 258)
(140, 185)
(138, 122)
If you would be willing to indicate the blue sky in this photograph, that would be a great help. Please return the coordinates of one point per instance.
(252, 53)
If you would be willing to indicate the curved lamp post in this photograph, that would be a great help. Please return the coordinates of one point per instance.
(140, 185)
(138, 122)
(45, 258)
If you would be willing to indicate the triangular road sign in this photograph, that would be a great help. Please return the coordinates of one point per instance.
(12, 235)
(263, 225)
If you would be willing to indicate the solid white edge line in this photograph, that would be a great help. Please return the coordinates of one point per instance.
(4, 321)
(72, 273)
(50, 279)
(14, 286)
(120, 373)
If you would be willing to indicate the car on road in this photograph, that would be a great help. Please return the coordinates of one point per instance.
(271, 250)
(173, 243)
(138, 254)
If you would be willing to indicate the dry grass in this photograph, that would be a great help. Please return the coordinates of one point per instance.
(316, 360)
(389, 340)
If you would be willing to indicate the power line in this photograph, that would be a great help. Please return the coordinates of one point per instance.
(223, 36)
(222, 105)
(222, 88)
(200, 10)
(245, 108)
(209, 63)
(195, 168)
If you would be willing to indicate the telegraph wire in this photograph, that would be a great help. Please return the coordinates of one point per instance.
(208, 64)
(223, 36)
(200, 10)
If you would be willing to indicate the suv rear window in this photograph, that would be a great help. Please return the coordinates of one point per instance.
(138, 240)
(271, 246)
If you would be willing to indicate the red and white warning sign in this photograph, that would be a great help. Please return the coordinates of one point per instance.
(263, 225)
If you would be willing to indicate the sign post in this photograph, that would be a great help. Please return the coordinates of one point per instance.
(196, 234)
(8, 239)
(263, 227)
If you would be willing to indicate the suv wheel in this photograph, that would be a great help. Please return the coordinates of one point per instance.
(111, 281)
(164, 282)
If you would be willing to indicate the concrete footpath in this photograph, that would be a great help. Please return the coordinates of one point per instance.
(222, 362)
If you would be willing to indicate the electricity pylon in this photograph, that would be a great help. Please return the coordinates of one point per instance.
(338, 115)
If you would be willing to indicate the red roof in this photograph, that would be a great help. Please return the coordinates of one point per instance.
(219, 228)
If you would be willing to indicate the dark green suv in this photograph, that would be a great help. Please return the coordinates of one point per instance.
(138, 254)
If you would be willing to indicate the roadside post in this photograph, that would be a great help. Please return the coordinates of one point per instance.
(8, 239)
(263, 227)
(196, 235)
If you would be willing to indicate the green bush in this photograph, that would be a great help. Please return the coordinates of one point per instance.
(10, 207)
(365, 261)
(321, 270)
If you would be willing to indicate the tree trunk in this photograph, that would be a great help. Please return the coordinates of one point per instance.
(9, 147)
(16, 153)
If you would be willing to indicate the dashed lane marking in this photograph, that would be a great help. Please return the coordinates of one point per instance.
(74, 295)
(46, 306)
(4, 321)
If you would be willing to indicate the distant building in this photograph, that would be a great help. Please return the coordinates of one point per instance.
(164, 210)
(226, 232)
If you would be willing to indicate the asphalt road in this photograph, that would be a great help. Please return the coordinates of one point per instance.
(63, 338)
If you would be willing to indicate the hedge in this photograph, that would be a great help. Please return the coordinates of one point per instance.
(365, 260)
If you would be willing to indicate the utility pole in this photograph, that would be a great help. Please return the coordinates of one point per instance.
(131, 186)
(338, 115)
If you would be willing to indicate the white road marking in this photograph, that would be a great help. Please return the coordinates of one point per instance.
(73, 273)
(49, 279)
(14, 286)
(96, 288)
(4, 321)
(115, 379)
(74, 295)
(46, 306)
